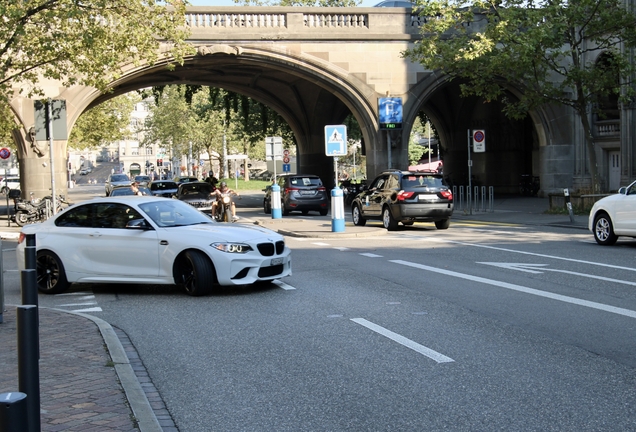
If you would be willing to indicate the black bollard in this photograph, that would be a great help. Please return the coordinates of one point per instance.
(30, 254)
(29, 287)
(13, 416)
(28, 363)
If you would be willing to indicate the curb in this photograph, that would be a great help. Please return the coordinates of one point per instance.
(135, 395)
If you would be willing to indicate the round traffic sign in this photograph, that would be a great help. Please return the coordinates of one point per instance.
(285, 159)
(479, 136)
(286, 153)
(5, 153)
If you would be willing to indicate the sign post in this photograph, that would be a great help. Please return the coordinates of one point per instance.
(336, 145)
(273, 152)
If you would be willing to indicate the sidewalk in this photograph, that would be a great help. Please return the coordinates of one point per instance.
(87, 380)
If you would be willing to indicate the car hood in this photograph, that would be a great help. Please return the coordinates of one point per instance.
(608, 201)
(229, 232)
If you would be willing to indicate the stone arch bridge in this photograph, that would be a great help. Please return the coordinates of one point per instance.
(314, 66)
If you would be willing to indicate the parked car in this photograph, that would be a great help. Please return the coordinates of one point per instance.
(151, 240)
(184, 179)
(299, 192)
(164, 188)
(614, 216)
(406, 197)
(8, 183)
(116, 180)
(197, 194)
(143, 180)
(126, 190)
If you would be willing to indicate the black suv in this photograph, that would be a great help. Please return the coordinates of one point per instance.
(299, 192)
(407, 197)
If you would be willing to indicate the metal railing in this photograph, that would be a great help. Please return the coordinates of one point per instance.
(480, 198)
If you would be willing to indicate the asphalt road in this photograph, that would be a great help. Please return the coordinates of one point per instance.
(479, 327)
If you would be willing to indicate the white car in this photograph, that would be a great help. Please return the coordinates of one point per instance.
(8, 183)
(614, 216)
(151, 240)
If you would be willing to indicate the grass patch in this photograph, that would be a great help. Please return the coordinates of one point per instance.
(246, 185)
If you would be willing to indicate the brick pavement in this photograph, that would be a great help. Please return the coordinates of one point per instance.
(79, 387)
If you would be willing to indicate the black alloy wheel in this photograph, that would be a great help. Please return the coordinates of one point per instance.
(194, 272)
(50, 274)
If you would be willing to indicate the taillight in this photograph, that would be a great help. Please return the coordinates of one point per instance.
(447, 194)
(22, 237)
(403, 195)
(322, 188)
(290, 189)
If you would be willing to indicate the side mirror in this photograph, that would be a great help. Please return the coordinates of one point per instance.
(623, 191)
(138, 224)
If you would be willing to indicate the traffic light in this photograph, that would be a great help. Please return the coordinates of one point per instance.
(159, 162)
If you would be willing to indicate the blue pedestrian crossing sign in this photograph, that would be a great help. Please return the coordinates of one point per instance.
(336, 140)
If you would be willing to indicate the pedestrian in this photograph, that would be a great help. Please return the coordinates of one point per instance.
(134, 186)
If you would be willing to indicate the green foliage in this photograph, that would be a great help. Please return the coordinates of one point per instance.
(104, 123)
(83, 42)
(539, 51)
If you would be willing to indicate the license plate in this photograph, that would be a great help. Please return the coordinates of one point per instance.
(307, 192)
(277, 261)
(427, 197)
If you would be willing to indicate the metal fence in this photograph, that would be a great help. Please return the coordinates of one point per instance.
(477, 198)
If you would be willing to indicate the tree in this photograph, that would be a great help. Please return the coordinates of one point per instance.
(83, 42)
(105, 123)
(540, 50)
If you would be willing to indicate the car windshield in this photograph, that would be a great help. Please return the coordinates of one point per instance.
(421, 180)
(172, 213)
(119, 178)
(163, 185)
(195, 189)
(305, 181)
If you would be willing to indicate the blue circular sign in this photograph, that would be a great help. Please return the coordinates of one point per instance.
(5, 153)
(479, 136)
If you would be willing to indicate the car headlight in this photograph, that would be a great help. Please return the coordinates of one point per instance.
(232, 247)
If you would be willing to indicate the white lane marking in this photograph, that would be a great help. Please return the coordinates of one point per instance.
(566, 299)
(321, 244)
(371, 255)
(77, 304)
(341, 248)
(434, 355)
(531, 253)
(283, 285)
(74, 294)
(528, 267)
(95, 309)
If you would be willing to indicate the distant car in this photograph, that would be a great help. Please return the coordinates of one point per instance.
(151, 240)
(8, 183)
(197, 194)
(116, 180)
(299, 192)
(143, 180)
(185, 179)
(126, 190)
(164, 188)
(614, 216)
(406, 197)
